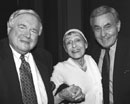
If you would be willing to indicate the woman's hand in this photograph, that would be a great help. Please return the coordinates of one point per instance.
(72, 93)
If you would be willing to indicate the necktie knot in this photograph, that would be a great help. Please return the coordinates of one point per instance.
(107, 56)
(107, 50)
(22, 57)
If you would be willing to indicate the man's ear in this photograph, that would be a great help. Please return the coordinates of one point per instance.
(10, 24)
(119, 25)
(8, 27)
(40, 30)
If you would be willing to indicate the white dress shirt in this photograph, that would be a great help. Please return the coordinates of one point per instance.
(38, 82)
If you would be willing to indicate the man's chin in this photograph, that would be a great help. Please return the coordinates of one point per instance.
(25, 49)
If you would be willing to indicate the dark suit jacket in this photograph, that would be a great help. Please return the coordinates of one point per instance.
(121, 74)
(10, 92)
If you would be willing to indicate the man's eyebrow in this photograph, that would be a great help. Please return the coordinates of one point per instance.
(21, 25)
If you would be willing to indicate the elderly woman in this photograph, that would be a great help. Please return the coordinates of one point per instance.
(77, 79)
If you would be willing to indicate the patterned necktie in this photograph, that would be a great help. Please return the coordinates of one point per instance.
(28, 91)
(105, 76)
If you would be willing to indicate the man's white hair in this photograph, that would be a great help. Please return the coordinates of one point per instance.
(21, 12)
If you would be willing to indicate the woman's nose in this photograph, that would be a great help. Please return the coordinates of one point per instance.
(73, 44)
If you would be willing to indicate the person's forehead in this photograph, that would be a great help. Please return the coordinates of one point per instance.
(25, 17)
(73, 35)
(108, 17)
(27, 20)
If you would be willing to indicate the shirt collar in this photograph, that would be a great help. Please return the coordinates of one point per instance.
(17, 55)
(114, 46)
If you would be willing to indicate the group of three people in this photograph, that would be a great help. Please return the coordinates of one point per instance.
(77, 79)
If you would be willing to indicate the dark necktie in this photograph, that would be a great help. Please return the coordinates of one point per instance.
(105, 76)
(28, 91)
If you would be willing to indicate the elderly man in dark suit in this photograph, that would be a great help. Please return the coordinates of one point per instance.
(24, 77)
(106, 25)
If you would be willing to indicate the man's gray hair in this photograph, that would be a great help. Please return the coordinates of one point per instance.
(104, 10)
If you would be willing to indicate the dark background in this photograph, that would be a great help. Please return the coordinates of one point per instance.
(60, 15)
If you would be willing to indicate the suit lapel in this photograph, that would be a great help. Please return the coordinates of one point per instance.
(122, 53)
(11, 76)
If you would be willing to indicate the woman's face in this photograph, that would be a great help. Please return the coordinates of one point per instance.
(75, 45)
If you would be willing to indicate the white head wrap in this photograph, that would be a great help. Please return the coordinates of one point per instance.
(75, 30)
